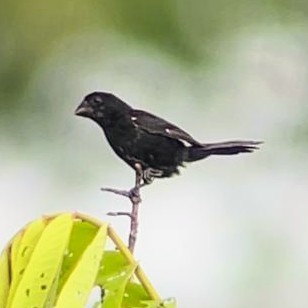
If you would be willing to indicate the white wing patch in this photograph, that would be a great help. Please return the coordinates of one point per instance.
(186, 143)
(134, 121)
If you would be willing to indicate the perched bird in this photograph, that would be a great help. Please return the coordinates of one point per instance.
(139, 137)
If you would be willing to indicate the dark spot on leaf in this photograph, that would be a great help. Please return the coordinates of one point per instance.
(28, 292)
(43, 287)
(21, 271)
(23, 253)
(42, 275)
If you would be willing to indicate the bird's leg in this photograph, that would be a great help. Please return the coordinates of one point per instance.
(134, 196)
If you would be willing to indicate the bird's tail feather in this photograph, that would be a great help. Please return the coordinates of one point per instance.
(194, 153)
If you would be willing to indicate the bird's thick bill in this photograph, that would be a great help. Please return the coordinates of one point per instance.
(83, 110)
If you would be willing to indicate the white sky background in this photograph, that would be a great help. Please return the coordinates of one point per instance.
(230, 231)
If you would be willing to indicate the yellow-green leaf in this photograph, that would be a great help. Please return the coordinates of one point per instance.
(4, 277)
(79, 284)
(82, 235)
(42, 271)
(135, 294)
(114, 287)
(168, 303)
(24, 246)
(14, 253)
(113, 263)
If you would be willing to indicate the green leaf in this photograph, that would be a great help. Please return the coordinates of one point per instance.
(114, 287)
(112, 264)
(14, 253)
(135, 294)
(169, 303)
(56, 262)
(79, 284)
(5, 277)
(24, 244)
(42, 271)
(82, 235)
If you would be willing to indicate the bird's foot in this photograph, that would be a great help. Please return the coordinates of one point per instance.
(149, 174)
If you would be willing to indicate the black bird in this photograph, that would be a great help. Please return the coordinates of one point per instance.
(139, 137)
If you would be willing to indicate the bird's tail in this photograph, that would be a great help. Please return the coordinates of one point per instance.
(194, 153)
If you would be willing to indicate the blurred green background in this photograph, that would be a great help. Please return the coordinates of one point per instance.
(230, 232)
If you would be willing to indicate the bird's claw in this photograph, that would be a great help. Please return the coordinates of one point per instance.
(149, 174)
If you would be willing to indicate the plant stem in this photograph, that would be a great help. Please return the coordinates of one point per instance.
(134, 196)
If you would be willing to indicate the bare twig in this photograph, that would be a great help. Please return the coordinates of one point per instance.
(134, 196)
(119, 214)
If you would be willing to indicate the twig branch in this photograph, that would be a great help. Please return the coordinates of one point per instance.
(134, 196)
(119, 214)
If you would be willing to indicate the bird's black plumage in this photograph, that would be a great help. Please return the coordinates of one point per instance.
(158, 146)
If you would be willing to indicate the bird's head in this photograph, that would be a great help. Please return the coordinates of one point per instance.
(99, 106)
(93, 105)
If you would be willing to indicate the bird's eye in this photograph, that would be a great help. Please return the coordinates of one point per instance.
(97, 100)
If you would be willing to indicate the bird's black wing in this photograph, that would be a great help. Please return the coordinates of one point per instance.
(158, 126)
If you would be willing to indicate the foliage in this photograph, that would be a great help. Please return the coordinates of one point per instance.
(57, 261)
